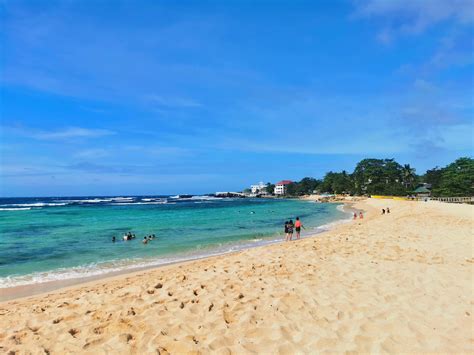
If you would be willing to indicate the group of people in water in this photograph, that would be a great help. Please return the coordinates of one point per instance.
(290, 227)
(130, 236)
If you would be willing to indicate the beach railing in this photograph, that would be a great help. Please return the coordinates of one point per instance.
(463, 199)
(453, 199)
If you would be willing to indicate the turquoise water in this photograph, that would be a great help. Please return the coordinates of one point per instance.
(48, 239)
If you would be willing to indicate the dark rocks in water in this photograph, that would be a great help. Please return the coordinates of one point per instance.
(229, 194)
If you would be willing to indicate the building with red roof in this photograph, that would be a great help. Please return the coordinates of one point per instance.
(280, 187)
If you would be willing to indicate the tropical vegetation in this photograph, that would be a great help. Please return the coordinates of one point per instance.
(388, 177)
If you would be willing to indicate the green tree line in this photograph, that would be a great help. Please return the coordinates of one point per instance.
(387, 177)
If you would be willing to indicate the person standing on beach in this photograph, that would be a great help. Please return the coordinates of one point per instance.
(361, 216)
(298, 226)
(287, 236)
(290, 229)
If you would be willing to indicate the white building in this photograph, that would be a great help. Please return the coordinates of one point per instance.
(260, 188)
(280, 187)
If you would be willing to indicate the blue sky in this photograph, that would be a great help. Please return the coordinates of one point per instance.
(157, 97)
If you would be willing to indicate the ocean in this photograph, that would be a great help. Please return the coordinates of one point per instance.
(57, 238)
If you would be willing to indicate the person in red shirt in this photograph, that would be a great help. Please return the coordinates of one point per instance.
(298, 226)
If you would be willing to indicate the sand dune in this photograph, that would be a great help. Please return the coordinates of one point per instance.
(401, 282)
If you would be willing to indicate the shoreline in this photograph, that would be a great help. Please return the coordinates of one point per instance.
(38, 288)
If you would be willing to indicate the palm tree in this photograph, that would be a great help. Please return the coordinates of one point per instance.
(408, 174)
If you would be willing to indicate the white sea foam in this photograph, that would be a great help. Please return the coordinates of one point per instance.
(38, 204)
(138, 203)
(206, 198)
(95, 200)
(96, 269)
(16, 209)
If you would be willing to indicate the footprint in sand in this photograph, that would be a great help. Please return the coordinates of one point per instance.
(73, 332)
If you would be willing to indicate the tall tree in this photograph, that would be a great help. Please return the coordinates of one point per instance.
(409, 177)
(270, 188)
(378, 176)
(433, 177)
(457, 179)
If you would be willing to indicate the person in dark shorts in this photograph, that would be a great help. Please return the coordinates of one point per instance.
(290, 229)
(286, 231)
(298, 226)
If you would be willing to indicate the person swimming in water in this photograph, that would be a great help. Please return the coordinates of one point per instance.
(113, 239)
(145, 240)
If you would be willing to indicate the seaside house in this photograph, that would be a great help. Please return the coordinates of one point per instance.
(423, 191)
(280, 187)
(260, 188)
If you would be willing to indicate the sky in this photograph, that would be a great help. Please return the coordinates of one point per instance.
(161, 97)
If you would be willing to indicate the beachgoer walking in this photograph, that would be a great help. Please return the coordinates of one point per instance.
(290, 229)
(298, 226)
(383, 211)
(388, 210)
(361, 216)
(287, 236)
(355, 215)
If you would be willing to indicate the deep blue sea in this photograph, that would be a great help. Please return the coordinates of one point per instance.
(46, 239)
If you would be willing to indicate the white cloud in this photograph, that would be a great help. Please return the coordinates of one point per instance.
(74, 132)
(62, 134)
(423, 85)
(414, 16)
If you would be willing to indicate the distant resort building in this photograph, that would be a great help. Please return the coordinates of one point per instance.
(280, 187)
(260, 188)
(423, 191)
